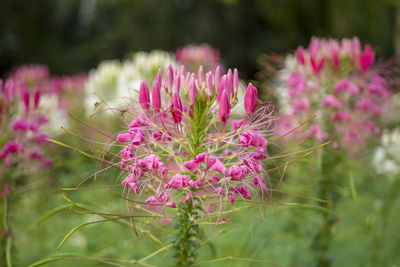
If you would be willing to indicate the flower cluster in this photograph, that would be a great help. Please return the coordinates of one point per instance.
(113, 80)
(337, 82)
(21, 134)
(194, 56)
(31, 107)
(386, 158)
(182, 143)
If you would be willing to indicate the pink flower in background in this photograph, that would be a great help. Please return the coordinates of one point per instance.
(194, 56)
(337, 82)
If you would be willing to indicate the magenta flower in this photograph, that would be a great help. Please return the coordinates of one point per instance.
(187, 149)
(334, 81)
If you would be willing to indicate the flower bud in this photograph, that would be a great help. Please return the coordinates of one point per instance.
(366, 58)
(217, 76)
(177, 83)
(169, 79)
(235, 81)
(300, 55)
(209, 82)
(192, 91)
(144, 98)
(221, 87)
(159, 77)
(156, 96)
(25, 98)
(200, 74)
(250, 99)
(176, 108)
(36, 97)
(224, 107)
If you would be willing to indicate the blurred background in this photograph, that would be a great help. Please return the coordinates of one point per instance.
(74, 36)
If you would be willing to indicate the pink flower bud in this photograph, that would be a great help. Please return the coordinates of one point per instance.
(221, 87)
(159, 77)
(176, 109)
(178, 181)
(123, 138)
(25, 98)
(210, 86)
(300, 55)
(217, 76)
(316, 65)
(200, 182)
(250, 99)
(229, 82)
(192, 91)
(156, 96)
(346, 85)
(144, 97)
(36, 97)
(259, 182)
(171, 204)
(366, 58)
(169, 79)
(224, 107)
(235, 81)
(177, 83)
(200, 75)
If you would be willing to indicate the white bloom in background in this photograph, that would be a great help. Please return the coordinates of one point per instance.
(102, 83)
(114, 81)
(142, 66)
(58, 117)
(387, 156)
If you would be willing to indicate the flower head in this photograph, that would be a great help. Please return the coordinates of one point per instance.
(336, 82)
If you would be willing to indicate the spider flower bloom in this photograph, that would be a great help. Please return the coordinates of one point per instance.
(180, 150)
(337, 82)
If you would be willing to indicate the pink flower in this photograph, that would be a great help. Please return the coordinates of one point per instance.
(219, 166)
(331, 101)
(250, 99)
(178, 181)
(138, 138)
(224, 107)
(316, 65)
(156, 96)
(300, 55)
(20, 125)
(259, 182)
(188, 197)
(123, 138)
(144, 97)
(247, 139)
(300, 104)
(236, 173)
(347, 85)
(369, 106)
(192, 91)
(36, 97)
(176, 108)
(191, 165)
(171, 204)
(341, 116)
(316, 131)
(366, 58)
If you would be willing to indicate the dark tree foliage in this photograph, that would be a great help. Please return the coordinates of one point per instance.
(72, 36)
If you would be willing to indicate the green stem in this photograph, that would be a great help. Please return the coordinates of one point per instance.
(186, 242)
(328, 191)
